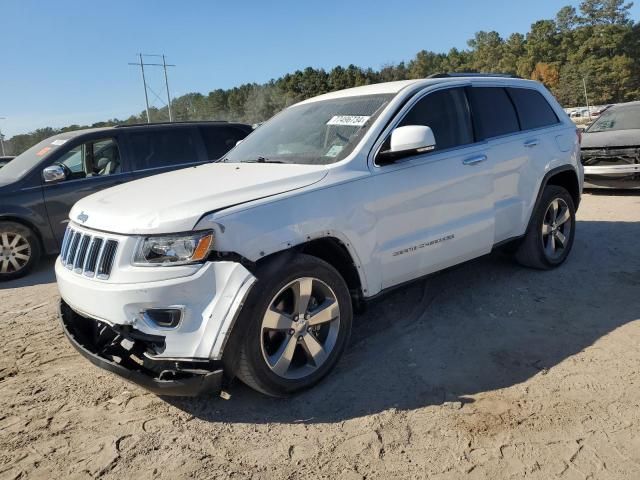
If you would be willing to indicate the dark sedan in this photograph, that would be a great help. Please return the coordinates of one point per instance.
(611, 148)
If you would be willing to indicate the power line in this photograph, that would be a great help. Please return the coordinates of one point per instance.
(146, 87)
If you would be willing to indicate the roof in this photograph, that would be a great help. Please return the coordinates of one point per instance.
(75, 133)
(619, 106)
(373, 89)
(395, 87)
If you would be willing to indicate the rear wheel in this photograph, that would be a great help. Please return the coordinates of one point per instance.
(549, 238)
(19, 250)
(294, 326)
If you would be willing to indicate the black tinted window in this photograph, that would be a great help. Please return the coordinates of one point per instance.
(163, 148)
(493, 111)
(533, 109)
(446, 112)
(219, 140)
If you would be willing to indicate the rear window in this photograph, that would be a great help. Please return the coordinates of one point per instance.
(493, 112)
(163, 148)
(219, 140)
(533, 109)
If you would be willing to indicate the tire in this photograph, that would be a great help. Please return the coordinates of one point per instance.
(273, 353)
(543, 246)
(19, 250)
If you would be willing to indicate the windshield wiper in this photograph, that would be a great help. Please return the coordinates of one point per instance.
(262, 160)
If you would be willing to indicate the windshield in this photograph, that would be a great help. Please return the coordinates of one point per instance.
(23, 163)
(318, 133)
(617, 118)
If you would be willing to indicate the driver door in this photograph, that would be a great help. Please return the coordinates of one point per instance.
(90, 167)
(436, 208)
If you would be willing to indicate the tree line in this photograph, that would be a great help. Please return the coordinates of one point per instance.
(598, 44)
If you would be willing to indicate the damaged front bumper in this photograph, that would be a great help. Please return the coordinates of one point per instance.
(611, 167)
(124, 351)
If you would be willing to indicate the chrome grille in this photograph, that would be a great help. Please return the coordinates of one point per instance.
(89, 255)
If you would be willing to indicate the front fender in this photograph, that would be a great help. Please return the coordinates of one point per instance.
(338, 212)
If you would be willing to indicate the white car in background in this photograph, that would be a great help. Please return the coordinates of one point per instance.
(252, 267)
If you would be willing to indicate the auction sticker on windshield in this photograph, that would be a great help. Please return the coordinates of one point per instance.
(348, 120)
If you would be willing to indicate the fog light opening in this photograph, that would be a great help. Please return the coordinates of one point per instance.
(163, 317)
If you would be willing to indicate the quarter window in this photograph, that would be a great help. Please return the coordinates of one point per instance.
(493, 112)
(446, 112)
(163, 148)
(533, 109)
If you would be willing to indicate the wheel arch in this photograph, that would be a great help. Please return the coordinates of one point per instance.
(564, 176)
(336, 253)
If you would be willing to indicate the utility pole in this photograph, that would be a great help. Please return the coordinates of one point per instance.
(586, 98)
(2, 138)
(164, 65)
(166, 83)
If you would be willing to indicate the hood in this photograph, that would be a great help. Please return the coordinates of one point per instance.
(611, 138)
(175, 201)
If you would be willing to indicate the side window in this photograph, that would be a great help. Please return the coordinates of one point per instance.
(163, 148)
(92, 159)
(218, 140)
(493, 111)
(447, 113)
(533, 109)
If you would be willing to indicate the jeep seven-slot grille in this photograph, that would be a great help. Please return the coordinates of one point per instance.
(86, 254)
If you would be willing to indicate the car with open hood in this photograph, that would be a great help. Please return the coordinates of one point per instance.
(252, 267)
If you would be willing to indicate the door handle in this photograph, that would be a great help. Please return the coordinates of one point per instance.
(531, 143)
(474, 160)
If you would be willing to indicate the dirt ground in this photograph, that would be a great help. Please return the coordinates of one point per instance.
(487, 371)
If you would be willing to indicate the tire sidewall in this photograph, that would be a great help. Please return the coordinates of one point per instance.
(34, 246)
(551, 193)
(270, 281)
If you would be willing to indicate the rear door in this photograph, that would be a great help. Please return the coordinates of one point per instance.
(91, 166)
(547, 143)
(518, 135)
(158, 150)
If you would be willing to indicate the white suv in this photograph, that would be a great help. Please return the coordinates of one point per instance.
(251, 267)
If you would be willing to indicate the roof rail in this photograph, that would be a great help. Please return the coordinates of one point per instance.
(472, 74)
(188, 122)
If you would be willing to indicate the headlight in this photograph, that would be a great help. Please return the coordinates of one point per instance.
(173, 249)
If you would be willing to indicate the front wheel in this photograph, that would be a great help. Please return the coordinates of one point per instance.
(19, 250)
(549, 238)
(294, 326)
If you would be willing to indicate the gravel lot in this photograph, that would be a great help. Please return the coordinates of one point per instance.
(488, 370)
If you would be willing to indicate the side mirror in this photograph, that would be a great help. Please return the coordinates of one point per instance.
(53, 173)
(409, 140)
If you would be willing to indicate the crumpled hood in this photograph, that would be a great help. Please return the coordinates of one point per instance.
(175, 201)
(612, 138)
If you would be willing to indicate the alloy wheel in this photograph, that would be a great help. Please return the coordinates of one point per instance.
(556, 229)
(300, 328)
(15, 252)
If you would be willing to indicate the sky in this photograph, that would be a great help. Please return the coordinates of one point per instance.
(66, 62)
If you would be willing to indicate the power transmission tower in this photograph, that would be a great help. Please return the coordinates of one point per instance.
(164, 65)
